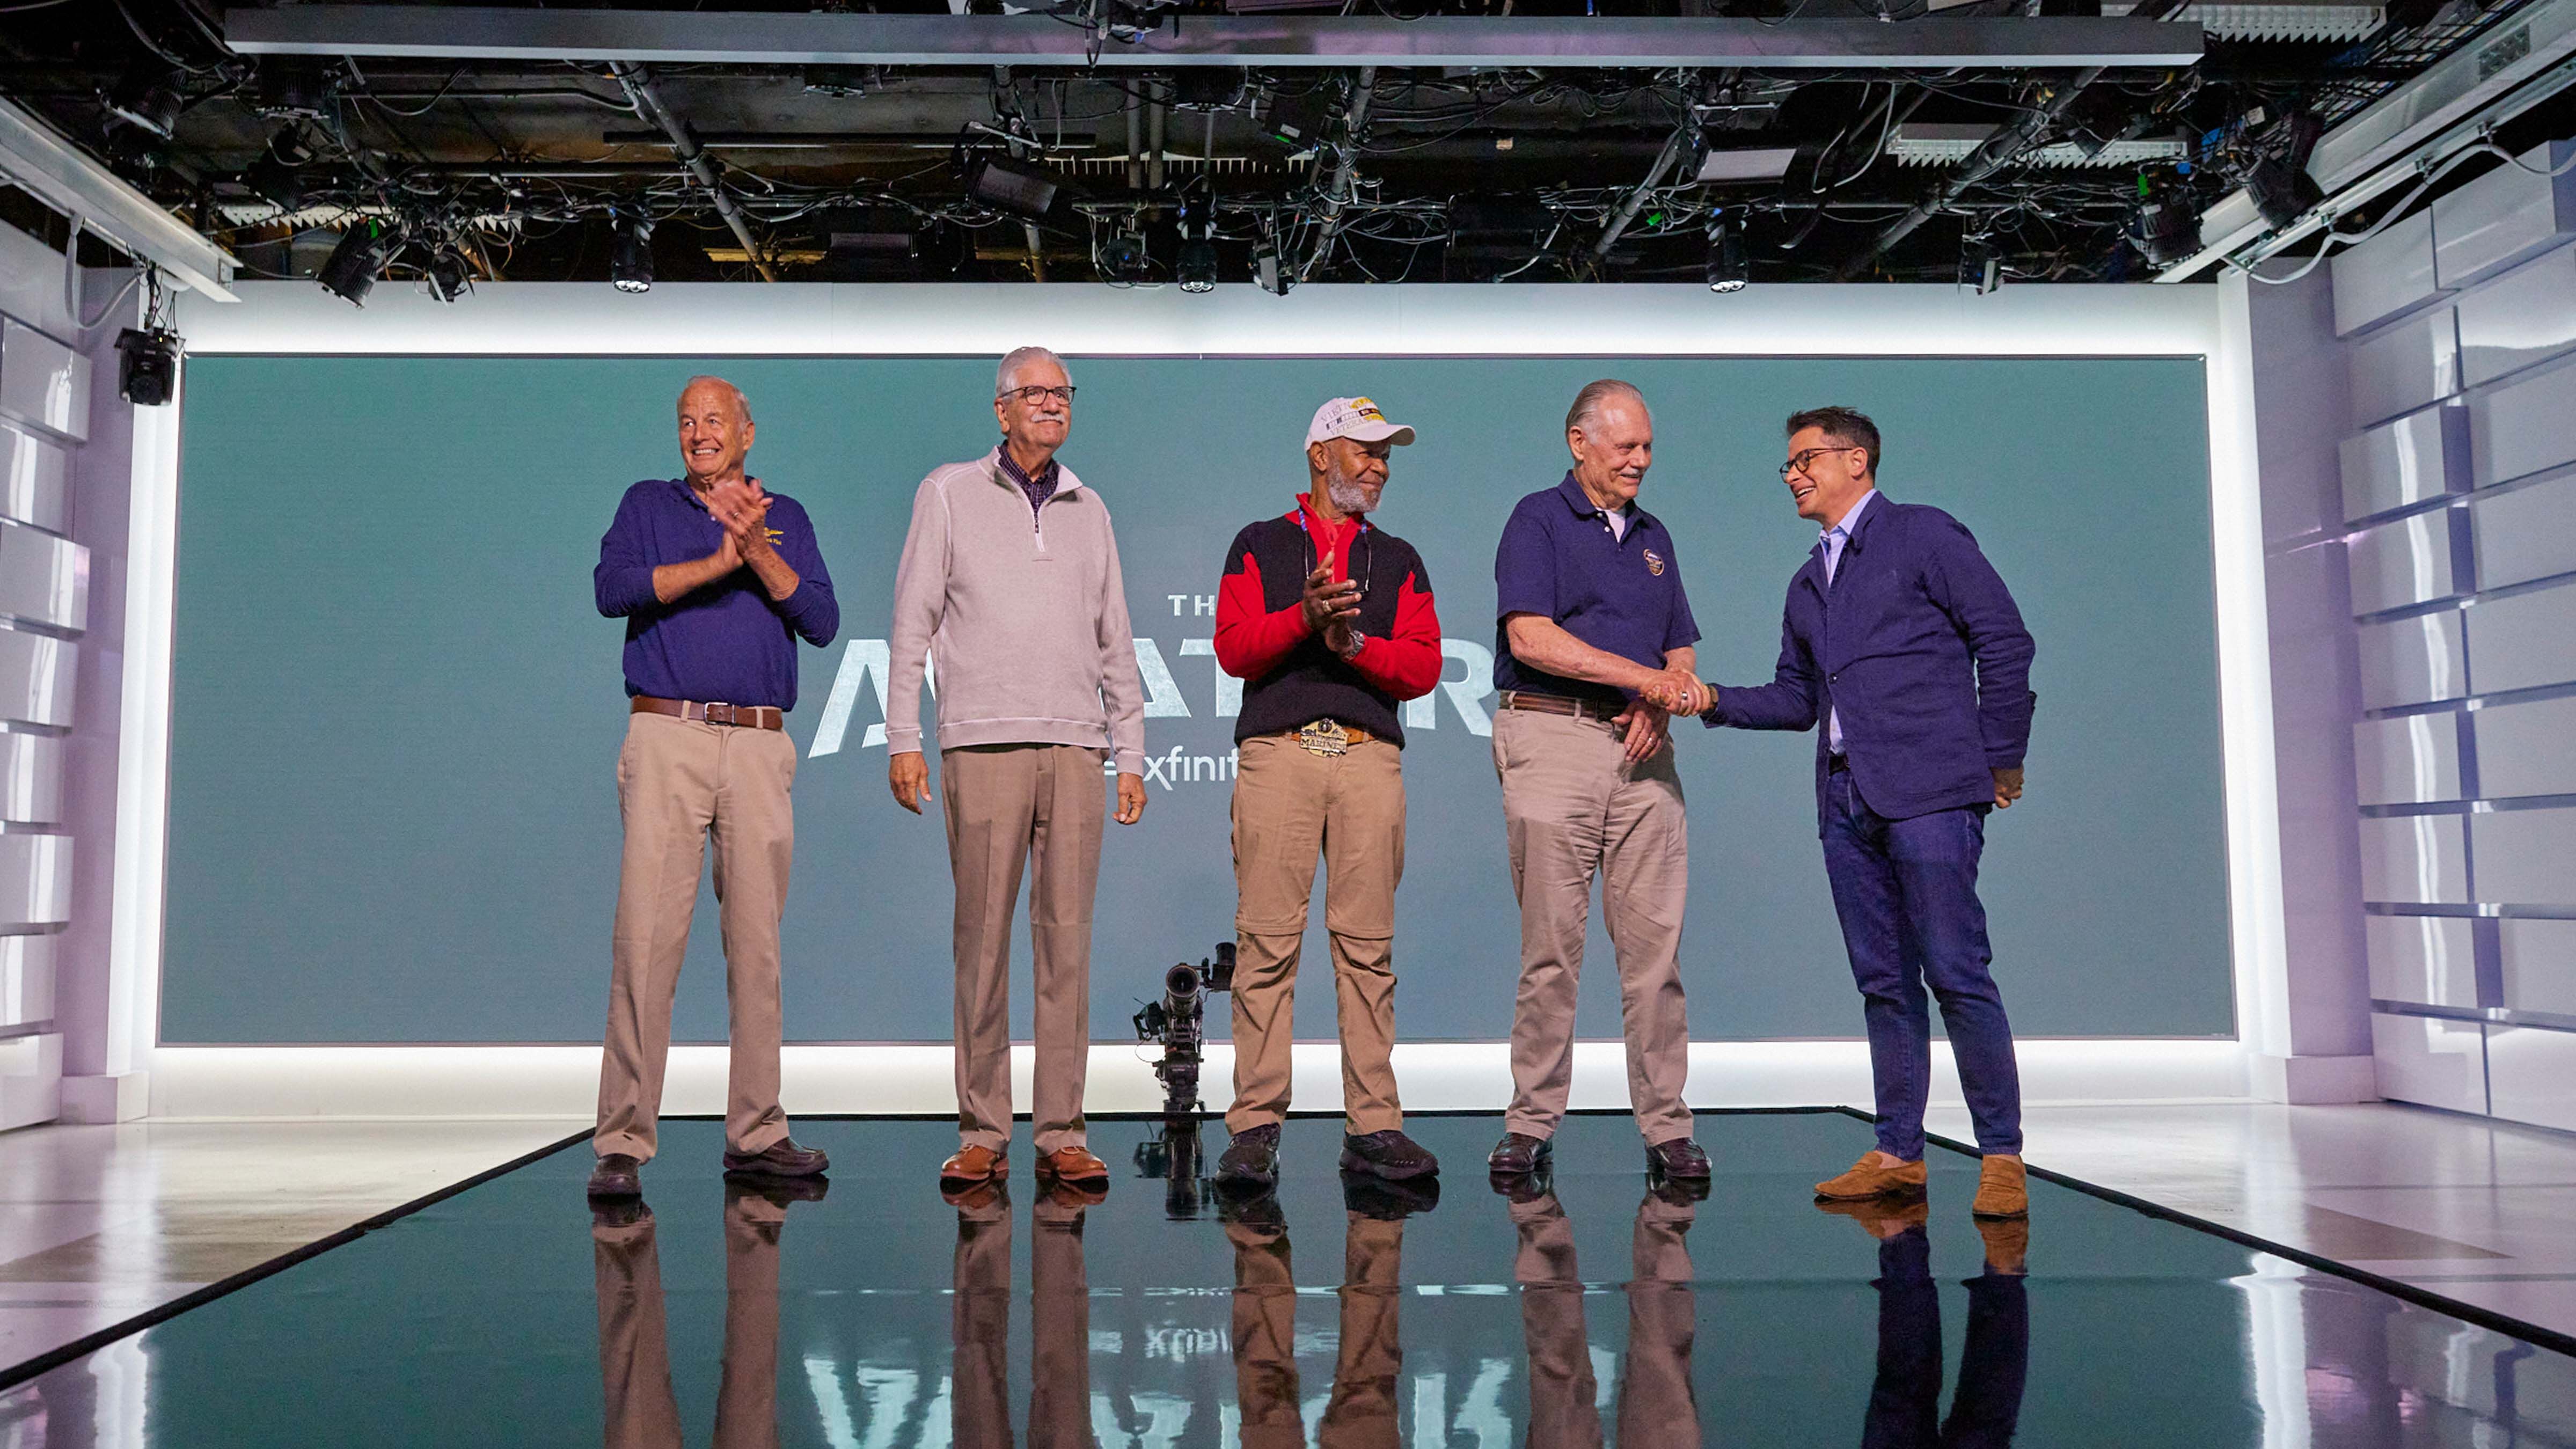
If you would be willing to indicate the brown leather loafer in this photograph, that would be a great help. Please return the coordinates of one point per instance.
(1870, 1178)
(1881, 1217)
(1072, 1164)
(2007, 1245)
(974, 1162)
(616, 1176)
(2001, 1191)
(782, 1158)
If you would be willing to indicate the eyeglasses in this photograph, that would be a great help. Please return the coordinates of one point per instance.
(1035, 395)
(1799, 463)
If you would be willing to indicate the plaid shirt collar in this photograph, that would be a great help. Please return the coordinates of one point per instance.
(1040, 486)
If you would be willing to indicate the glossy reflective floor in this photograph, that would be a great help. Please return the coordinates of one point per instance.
(1598, 1312)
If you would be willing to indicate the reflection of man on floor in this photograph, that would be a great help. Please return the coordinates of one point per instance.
(1361, 1414)
(1905, 1397)
(1656, 1403)
(634, 1344)
(1059, 1311)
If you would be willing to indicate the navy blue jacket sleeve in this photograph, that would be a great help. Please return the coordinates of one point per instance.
(1966, 587)
(1788, 702)
(813, 611)
(623, 581)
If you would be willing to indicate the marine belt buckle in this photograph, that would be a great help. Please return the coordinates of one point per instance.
(1324, 737)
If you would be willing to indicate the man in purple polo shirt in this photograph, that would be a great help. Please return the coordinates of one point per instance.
(1592, 617)
(716, 578)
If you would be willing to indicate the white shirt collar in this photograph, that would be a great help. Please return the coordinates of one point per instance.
(1851, 520)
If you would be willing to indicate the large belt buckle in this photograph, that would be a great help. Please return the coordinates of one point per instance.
(725, 718)
(1324, 737)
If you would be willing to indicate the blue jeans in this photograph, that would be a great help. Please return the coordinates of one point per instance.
(1906, 892)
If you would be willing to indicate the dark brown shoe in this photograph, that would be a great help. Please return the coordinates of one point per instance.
(782, 1158)
(1074, 1164)
(617, 1175)
(1518, 1153)
(974, 1162)
(1676, 1158)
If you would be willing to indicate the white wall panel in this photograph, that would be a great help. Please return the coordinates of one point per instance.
(2504, 216)
(2528, 533)
(31, 779)
(42, 381)
(2384, 275)
(2526, 749)
(2437, 1063)
(2430, 960)
(2422, 455)
(2414, 860)
(2400, 563)
(2523, 427)
(2412, 759)
(2410, 365)
(36, 678)
(27, 979)
(2531, 1075)
(2523, 641)
(2413, 661)
(35, 880)
(2539, 964)
(35, 478)
(2525, 857)
(43, 578)
(2527, 315)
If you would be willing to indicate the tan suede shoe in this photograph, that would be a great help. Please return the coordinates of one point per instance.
(974, 1162)
(1868, 1178)
(2000, 1189)
(1882, 1217)
(2007, 1245)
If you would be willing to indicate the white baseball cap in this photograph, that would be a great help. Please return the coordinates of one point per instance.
(1358, 418)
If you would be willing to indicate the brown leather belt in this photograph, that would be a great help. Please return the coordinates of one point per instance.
(1561, 704)
(744, 716)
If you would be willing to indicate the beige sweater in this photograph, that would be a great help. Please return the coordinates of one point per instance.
(1021, 614)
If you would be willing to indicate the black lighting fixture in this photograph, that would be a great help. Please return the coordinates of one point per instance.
(1123, 258)
(146, 97)
(1020, 188)
(1980, 265)
(1728, 271)
(1196, 263)
(350, 271)
(630, 254)
(2281, 188)
(278, 174)
(450, 277)
(147, 366)
(2168, 231)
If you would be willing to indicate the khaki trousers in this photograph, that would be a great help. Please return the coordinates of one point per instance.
(980, 1323)
(680, 782)
(1657, 1405)
(634, 1338)
(1361, 1411)
(1037, 810)
(1290, 803)
(1574, 808)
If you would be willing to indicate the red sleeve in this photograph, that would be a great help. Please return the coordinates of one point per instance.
(1407, 663)
(1249, 642)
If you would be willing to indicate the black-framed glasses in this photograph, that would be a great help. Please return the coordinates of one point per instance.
(1799, 463)
(1035, 395)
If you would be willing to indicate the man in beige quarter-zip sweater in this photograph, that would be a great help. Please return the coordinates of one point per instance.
(1010, 588)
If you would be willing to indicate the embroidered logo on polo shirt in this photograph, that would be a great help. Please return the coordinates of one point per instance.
(1654, 563)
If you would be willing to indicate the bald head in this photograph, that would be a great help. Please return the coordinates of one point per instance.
(715, 431)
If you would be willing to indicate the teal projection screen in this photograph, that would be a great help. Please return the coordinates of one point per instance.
(396, 714)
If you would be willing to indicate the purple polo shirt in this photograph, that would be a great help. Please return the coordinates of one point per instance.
(1621, 594)
(727, 641)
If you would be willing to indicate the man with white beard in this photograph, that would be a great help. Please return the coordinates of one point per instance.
(1328, 620)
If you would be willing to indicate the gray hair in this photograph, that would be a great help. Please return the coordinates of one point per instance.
(741, 399)
(1021, 357)
(1587, 403)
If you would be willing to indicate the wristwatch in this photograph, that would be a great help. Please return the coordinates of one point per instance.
(1359, 641)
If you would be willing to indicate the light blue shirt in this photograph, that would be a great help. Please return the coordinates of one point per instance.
(1832, 543)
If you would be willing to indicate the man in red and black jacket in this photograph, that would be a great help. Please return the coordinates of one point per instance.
(1328, 620)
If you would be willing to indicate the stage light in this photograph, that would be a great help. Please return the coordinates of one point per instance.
(2167, 231)
(630, 255)
(1980, 265)
(449, 275)
(1728, 271)
(1124, 258)
(278, 174)
(147, 367)
(147, 97)
(1017, 187)
(1198, 265)
(2281, 194)
(350, 271)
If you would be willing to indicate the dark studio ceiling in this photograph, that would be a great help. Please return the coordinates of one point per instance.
(1230, 141)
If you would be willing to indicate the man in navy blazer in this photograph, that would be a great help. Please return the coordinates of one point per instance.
(1903, 643)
